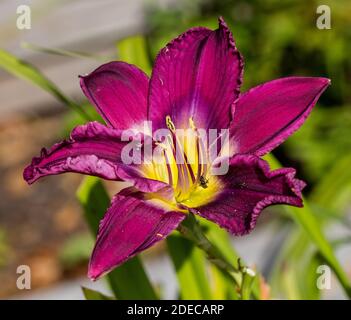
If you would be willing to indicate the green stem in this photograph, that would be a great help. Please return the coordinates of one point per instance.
(191, 229)
(246, 287)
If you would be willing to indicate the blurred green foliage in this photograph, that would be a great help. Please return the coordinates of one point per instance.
(76, 249)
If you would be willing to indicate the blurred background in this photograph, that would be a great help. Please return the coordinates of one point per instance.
(42, 226)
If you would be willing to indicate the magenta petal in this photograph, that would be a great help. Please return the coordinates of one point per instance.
(196, 75)
(92, 149)
(267, 114)
(249, 187)
(130, 226)
(119, 92)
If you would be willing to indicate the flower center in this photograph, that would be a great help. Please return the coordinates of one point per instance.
(182, 161)
(187, 151)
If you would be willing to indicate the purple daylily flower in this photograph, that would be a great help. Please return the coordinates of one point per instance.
(195, 83)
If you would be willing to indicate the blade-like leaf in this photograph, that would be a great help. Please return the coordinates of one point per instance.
(294, 272)
(24, 70)
(134, 50)
(65, 53)
(191, 230)
(334, 189)
(90, 294)
(222, 286)
(190, 265)
(221, 239)
(128, 281)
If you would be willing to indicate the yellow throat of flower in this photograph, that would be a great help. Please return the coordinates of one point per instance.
(181, 160)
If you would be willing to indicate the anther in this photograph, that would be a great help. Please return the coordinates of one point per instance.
(192, 124)
(170, 124)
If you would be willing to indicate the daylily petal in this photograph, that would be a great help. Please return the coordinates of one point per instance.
(248, 188)
(196, 75)
(266, 115)
(119, 92)
(130, 226)
(92, 149)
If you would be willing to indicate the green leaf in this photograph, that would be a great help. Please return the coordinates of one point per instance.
(26, 71)
(94, 199)
(330, 191)
(90, 294)
(72, 119)
(128, 281)
(76, 249)
(65, 53)
(221, 239)
(307, 220)
(222, 286)
(190, 266)
(294, 272)
(191, 230)
(134, 50)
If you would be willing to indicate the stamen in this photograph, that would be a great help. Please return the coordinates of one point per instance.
(190, 169)
(169, 169)
(183, 177)
(177, 153)
(202, 155)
